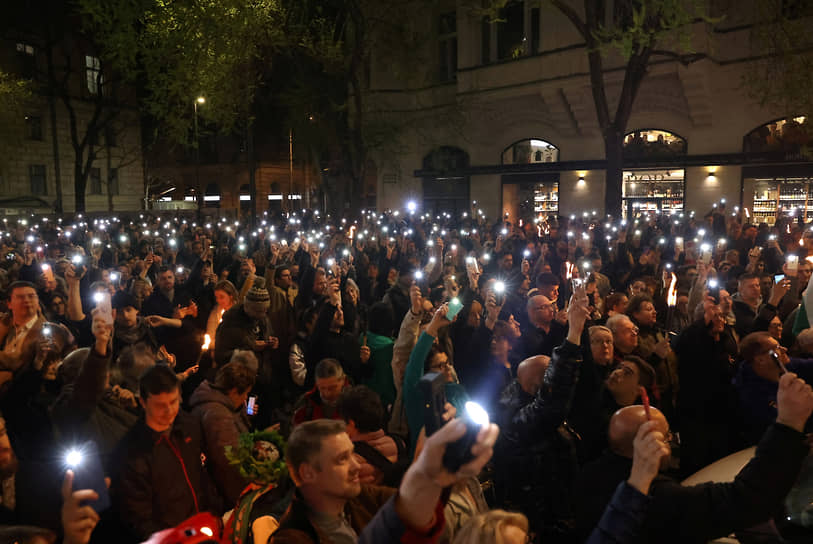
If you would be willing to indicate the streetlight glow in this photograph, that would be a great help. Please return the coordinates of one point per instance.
(201, 100)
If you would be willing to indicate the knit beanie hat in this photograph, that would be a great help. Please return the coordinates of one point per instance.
(257, 300)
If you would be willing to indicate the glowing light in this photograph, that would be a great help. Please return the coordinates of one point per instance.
(207, 340)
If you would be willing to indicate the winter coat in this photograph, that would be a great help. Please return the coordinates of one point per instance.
(702, 512)
(341, 346)
(221, 424)
(296, 527)
(535, 457)
(748, 320)
(159, 479)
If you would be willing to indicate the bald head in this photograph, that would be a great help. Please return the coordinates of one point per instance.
(531, 373)
(624, 425)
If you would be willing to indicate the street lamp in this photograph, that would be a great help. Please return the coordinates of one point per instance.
(199, 100)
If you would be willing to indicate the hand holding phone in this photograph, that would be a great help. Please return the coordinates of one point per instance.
(88, 473)
(454, 308)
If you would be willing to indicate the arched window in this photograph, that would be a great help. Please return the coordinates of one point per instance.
(529, 151)
(446, 159)
(653, 144)
(787, 136)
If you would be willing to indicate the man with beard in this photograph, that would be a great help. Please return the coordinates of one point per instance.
(130, 328)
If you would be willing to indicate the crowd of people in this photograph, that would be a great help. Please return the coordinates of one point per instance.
(350, 357)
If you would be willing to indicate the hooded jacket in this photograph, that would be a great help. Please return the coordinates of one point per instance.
(221, 424)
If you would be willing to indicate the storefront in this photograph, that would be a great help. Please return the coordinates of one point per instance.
(446, 191)
(530, 195)
(653, 189)
(786, 189)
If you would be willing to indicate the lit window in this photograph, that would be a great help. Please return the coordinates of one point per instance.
(93, 71)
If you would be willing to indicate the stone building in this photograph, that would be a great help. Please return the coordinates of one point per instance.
(524, 136)
(78, 108)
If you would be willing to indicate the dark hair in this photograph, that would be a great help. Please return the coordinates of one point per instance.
(747, 276)
(434, 350)
(380, 320)
(166, 268)
(19, 285)
(546, 278)
(753, 344)
(363, 406)
(614, 299)
(646, 374)
(305, 441)
(636, 302)
(235, 376)
(307, 316)
(329, 368)
(157, 379)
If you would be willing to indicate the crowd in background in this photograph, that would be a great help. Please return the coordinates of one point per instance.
(616, 357)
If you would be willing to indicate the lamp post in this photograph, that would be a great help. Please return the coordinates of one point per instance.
(199, 100)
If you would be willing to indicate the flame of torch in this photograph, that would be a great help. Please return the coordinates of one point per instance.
(539, 230)
(207, 340)
(220, 318)
(352, 232)
(568, 270)
(671, 297)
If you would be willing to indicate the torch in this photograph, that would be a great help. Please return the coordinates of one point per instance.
(671, 301)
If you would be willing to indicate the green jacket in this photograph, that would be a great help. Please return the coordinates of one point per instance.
(413, 398)
(380, 365)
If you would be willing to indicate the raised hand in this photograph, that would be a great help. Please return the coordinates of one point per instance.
(649, 448)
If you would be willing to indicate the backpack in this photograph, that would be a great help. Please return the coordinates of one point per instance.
(393, 472)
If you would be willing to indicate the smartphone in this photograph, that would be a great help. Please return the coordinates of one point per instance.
(793, 264)
(779, 277)
(251, 405)
(104, 306)
(679, 244)
(714, 290)
(775, 357)
(454, 308)
(499, 292)
(86, 464)
(433, 389)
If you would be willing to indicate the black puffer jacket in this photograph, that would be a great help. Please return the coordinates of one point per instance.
(535, 458)
(160, 479)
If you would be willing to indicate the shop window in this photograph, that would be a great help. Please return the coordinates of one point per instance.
(653, 144)
(211, 196)
(788, 136)
(653, 191)
(530, 151)
(447, 46)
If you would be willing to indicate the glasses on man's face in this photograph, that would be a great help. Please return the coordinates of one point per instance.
(633, 330)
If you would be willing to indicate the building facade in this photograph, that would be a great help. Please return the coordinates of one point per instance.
(75, 110)
(526, 139)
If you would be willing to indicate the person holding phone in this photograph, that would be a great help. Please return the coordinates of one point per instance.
(536, 463)
(427, 356)
(220, 407)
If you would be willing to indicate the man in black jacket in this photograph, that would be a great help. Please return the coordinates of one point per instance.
(160, 479)
(535, 456)
(752, 313)
(707, 511)
(543, 332)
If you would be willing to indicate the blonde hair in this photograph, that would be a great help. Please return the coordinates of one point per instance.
(487, 528)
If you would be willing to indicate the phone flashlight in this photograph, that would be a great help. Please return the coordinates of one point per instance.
(418, 275)
(46, 331)
(76, 259)
(179, 270)
(114, 276)
(98, 297)
(331, 262)
(526, 253)
(73, 458)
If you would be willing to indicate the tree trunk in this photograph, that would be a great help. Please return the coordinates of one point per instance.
(79, 186)
(252, 170)
(59, 205)
(613, 151)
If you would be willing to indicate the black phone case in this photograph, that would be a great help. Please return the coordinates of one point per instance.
(89, 474)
